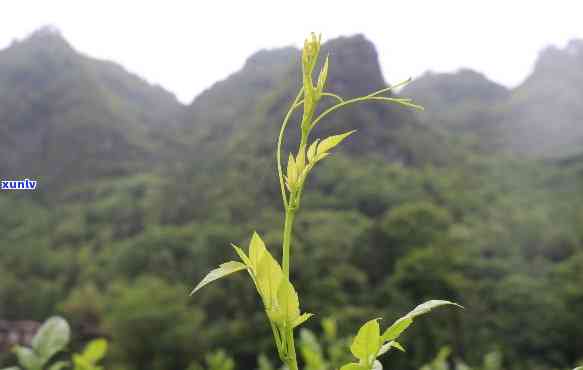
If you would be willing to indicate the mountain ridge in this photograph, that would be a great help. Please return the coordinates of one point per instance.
(69, 117)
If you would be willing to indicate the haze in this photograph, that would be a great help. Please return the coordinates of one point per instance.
(187, 46)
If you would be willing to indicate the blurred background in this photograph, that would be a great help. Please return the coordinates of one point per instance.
(151, 128)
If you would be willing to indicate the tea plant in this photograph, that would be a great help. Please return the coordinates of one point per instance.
(271, 279)
(52, 338)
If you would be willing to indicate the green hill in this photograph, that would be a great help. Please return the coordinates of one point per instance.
(67, 118)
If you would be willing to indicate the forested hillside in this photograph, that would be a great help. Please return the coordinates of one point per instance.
(472, 200)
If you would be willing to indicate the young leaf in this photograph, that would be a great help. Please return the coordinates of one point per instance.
(367, 342)
(223, 270)
(256, 250)
(390, 345)
(303, 318)
(242, 255)
(424, 308)
(330, 142)
(399, 326)
(52, 337)
(95, 350)
(322, 77)
(288, 301)
(28, 359)
(292, 173)
(301, 162)
(269, 277)
(312, 151)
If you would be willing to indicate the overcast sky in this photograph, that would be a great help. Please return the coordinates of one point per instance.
(186, 46)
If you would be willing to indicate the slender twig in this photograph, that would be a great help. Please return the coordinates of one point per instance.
(279, 144)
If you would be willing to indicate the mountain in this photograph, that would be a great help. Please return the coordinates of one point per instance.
(244, 111)
(67, 118)
(544, 115)
(539, 118)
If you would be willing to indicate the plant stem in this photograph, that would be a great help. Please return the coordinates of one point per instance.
(292, 362)
(279, 145)
(290, 213)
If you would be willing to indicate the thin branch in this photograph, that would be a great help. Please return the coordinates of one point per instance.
(293, 107)
(404, 102)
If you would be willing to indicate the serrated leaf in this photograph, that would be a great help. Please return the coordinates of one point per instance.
(223, 270)
(311, 154)
(400, 325)
(330, 142)
(52, 337)
(288, 301)
(302, 319)
(269, 277)
(95, 350)
(390, 345)
(27, 358)
(353, 366)
(367, 342)
(256, 250)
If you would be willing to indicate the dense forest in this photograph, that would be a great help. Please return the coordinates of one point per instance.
(478, 199)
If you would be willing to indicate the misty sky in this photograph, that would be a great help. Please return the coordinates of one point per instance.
(186, 46)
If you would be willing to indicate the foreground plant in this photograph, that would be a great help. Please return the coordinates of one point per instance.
(271, 279)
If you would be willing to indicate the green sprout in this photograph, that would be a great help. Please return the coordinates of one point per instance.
(272, 280)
